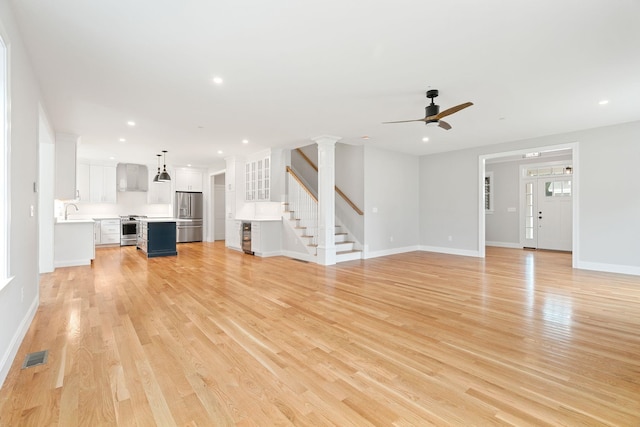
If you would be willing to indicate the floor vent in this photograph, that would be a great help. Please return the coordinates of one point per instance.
(300, 260)
(35, 359)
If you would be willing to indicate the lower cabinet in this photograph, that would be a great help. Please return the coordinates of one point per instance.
(266, 238)
(157, 239)
(110, 232)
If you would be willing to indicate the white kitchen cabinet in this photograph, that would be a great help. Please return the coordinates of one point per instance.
(188, 180)
(102, 184)
(96, 182)
(258, 180)
(233, 238)
(65, 166)
(82, 182)
(110, 231)
(73, 243)
(266, 238)
(96, 232)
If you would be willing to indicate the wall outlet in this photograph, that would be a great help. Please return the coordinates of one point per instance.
(450, 238)
(391, 239)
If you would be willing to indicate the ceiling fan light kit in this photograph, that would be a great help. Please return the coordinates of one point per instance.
(432, 112)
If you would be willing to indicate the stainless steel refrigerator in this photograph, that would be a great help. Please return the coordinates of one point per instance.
(188, 213)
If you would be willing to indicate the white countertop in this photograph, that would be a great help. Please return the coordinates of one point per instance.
(74, 221)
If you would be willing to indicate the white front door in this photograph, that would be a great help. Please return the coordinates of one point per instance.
(548, 213)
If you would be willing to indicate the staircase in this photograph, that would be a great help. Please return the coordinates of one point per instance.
(301, 214)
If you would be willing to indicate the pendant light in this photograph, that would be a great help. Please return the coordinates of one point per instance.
(164, 176)
(157, 177)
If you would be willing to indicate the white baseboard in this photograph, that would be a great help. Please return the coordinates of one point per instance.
(301, 256)
(10, 354)
(268, 254)
(368, 254)
(608, 268)
(504, 245)
(450, 251)
(71, 263)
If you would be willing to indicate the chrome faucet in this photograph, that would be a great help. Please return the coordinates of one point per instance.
(66, 212)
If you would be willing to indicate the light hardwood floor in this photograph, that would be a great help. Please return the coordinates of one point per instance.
(214, 337)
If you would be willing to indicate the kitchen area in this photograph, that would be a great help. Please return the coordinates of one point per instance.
(108, 204)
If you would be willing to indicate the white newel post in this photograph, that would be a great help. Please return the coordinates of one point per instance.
(326, 199)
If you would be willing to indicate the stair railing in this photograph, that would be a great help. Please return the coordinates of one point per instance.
(304, 205)
(340, 193)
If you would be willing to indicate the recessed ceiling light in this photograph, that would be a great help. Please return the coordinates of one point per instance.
(604, 102)
(131, 123)
(365, 137)
(123, 140)
(188, 164)
(219, 151)
(112, 158)
(425, 139)
(218, 80)
(245, 141)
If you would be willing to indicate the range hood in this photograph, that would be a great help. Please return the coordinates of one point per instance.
(132, 177)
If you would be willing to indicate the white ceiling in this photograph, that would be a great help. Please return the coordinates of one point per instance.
(294, 70)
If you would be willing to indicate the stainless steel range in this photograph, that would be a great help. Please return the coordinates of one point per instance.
(129, 229)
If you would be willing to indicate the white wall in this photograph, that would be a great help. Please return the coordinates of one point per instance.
(391, 187)
(608, 206)
(19, 299)
(449, 202)
(46, 176)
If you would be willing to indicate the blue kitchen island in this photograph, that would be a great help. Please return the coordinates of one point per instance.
(157, 237)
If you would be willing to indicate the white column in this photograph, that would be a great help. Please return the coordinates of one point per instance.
(326, 198)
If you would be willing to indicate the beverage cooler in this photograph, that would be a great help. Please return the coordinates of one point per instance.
(246, 238)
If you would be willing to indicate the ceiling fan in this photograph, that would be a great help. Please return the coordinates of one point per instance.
(433, 114)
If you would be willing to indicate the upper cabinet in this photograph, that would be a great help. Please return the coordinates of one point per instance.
(258, 180)
(96, 182)
(65, 165)
(187, 179)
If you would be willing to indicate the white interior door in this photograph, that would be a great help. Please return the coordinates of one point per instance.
(548, 213)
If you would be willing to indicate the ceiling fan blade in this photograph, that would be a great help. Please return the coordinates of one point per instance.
(452, 110)
(406, 121)
(444, 125)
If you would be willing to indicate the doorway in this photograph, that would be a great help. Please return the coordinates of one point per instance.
(219, 207)
(572, 201)
(546, 218)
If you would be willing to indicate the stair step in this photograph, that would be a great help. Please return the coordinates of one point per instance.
(348, 255)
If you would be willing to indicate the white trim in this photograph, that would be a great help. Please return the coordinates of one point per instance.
(5, 281)
(575, 184)
(301, 256)
(609, 268)
(267, 254)
(504, 245)
(16, 340)
(71, 263)
(366, 254)
(452, 251)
